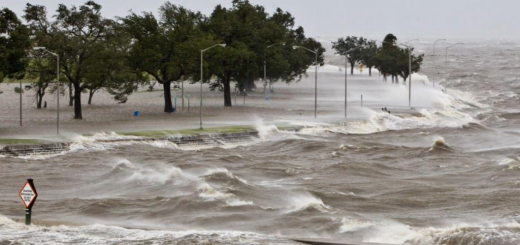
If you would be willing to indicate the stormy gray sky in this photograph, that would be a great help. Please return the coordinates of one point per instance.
(426, 19)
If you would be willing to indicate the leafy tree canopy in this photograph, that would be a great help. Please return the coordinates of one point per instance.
(14, 42)
(166, 48)
(351, 47)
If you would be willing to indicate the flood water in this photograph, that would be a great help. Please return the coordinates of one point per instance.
(446, 174)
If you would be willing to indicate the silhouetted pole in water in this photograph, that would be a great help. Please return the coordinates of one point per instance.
(409, 71)
(434, 66)
(28, 195)
(346, 68)
(57, 91)
(21, 91)
(265, 70)
(244, 96)
(202, 76)
(315, 79)
(446, 60)
(182, 92)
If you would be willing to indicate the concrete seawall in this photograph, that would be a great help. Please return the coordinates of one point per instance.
(203, 139)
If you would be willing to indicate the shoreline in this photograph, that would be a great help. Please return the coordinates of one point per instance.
(311, 241)
(183, 137)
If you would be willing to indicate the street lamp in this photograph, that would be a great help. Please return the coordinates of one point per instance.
(315, 78)
(202, 76)
(265, 70)
(409, 71)
(446, 60)
(58, 82)
(434, 59)
(346, 75)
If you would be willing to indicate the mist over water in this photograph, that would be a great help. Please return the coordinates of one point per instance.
(445, 172)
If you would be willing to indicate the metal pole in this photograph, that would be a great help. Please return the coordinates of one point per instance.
(182, 92)
(316, 86)
(434, 66)
(345, 86)
(265, 80)
(28, 210)
(434, 63)
(446, 63)
(410, 79)
(28, 216)
(58, 95)
(201, 80)
(21, 91)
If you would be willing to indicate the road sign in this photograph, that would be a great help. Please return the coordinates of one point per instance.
(28, 194)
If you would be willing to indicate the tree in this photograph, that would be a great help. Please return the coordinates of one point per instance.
(43, 70)
(14, 42)
(75, 36)
(416, 63)
(248, 30)
(368, 55)
(343, 45)
(391, 60)
(110, 69)
(284, 63)
(236, 28)
(164, 49)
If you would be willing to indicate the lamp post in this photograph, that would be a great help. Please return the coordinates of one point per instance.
(265, 70)
(182, 92)
(202, 76)
(315, 79)
(346, 53)
(58, 90)
(438, 40)
(446, 60)
(409, 71)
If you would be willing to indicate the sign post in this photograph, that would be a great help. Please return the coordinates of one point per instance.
(189, 96)
(28, 195)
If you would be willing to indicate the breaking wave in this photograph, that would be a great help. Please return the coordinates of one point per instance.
(439, 144)
(12, 232)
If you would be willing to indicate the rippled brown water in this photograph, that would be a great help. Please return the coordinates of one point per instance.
(448, 174)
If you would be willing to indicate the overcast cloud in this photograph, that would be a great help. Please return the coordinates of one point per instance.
(428, 19)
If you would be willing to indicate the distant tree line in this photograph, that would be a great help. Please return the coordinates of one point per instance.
(389, 58)
(121, 54)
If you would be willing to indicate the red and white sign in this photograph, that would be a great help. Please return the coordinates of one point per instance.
(28, 195)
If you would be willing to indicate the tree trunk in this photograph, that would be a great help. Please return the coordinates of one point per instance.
(71, 97)
(168, 107)
(369, 71)
(77, 101)
(39, 99)
(249, 84)
(90, 95)
(352, 68)
(227, 90)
